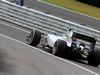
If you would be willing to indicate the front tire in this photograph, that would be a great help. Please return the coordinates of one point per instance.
(34, 38)
(59, 48)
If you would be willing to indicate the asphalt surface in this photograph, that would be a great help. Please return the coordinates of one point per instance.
(70, 15)
(19, 59)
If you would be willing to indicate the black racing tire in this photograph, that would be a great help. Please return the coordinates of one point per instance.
(59, 48)
(35, 37)
(94, 57)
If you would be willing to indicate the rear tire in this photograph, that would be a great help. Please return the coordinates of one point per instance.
(59, 48)
(94, 57)
(34, 38)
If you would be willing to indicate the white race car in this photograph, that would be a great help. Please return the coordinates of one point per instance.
(63, 45)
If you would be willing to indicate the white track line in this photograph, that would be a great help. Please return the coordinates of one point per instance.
(14, 27)
(69, 10)
(50, 54)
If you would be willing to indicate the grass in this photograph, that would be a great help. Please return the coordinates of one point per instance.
(76, 6)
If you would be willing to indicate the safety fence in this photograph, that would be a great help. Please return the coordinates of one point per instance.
(46, 23)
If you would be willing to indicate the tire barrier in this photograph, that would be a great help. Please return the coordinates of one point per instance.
(34, 19)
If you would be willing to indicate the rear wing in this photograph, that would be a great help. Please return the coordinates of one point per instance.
(90, 39)
(84, 37)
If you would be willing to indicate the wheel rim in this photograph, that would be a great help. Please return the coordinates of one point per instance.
(31, 36)
(54, 48)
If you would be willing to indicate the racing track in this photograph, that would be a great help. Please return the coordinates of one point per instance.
(70, 15)
(18, 58)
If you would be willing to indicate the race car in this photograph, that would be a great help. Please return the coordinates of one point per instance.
(75, 45)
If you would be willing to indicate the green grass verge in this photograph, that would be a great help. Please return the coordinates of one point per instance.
(76, 6)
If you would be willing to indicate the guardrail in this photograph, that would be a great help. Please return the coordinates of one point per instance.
(35, 19)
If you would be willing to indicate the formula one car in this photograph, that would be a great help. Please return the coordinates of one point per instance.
(75, 46)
